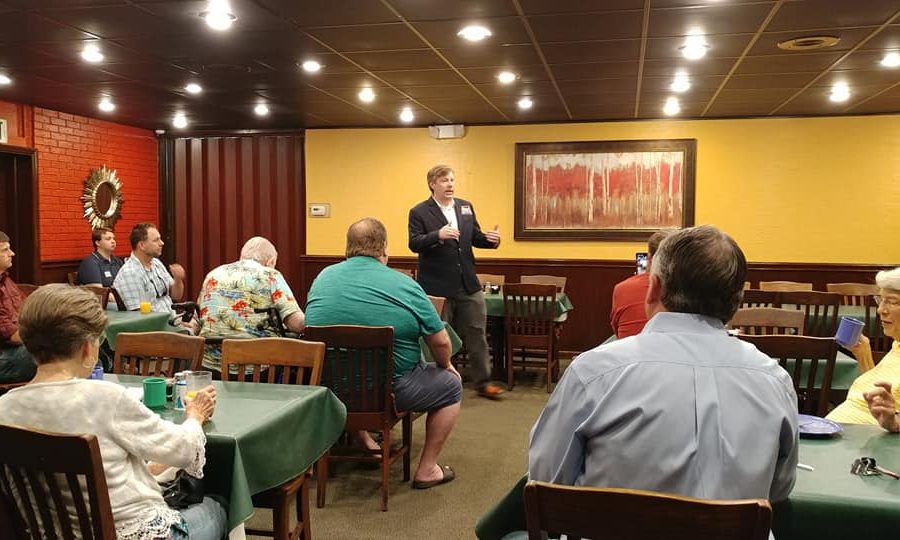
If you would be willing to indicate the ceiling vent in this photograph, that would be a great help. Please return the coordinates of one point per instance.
(809, 43)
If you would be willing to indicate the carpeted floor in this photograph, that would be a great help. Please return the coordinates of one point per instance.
(488, 451)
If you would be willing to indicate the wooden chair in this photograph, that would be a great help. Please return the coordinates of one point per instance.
(157, 354)
(766, 321)
(558, 281)
(41, 479)
(359, 367)
(27, 288)
(493, 279)
(104, 294)
(747, 285)
(853, 294)
(72, 278)
(784, 286)
(438, 303)
(529, 313)
(755, 298)
(290, 361)
(803, 351)
(407, 271)
(819, 308)
(615, 513)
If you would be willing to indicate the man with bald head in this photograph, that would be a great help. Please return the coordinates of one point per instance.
(362, 290)
(232, 292)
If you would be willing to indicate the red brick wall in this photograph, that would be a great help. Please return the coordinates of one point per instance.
(68, 148)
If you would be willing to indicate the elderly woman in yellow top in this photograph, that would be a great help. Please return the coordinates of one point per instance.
(870, 399)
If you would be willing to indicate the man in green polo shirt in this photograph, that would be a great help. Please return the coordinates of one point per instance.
(362, 290)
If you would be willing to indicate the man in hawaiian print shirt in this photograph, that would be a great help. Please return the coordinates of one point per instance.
(232, 292)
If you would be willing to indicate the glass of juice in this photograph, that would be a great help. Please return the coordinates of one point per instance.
(197, 380)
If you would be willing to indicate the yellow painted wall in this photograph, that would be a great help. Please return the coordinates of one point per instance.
(788, 190)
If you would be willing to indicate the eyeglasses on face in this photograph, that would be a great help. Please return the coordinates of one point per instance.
(888, 302)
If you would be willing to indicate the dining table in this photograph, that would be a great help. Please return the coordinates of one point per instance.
(455, 343)
(826, 502)
(133, 321)
(260, 436)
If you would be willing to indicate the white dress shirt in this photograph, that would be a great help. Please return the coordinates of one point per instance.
(449, 212)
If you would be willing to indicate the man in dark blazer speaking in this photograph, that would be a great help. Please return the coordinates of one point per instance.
(443, 230)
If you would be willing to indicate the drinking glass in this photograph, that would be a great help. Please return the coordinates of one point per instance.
(197, 380)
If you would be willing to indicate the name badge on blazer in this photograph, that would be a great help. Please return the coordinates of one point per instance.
(465, 210)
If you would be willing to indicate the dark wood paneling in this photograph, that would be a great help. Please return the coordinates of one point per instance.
(57, 271)
(590, 284)
(221, 191)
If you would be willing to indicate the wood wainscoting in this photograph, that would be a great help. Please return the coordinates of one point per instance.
(590, 284)
(57, 271)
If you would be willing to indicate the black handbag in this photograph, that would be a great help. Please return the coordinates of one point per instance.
(183, 491)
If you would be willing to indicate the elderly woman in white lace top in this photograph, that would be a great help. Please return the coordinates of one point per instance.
(61, 327)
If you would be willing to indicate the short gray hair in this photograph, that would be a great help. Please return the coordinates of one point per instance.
(258, 249)
(888, 279)
(702, 271)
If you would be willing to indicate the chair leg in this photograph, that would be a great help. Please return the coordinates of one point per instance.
(509, 367)
(321, 480)
(281, 519)
(406, 423)
(303, 510)
(385, 466)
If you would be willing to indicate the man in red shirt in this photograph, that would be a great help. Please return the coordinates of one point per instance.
(628, 315)
(16, 364)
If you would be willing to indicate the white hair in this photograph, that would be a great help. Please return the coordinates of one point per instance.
(888, 279)
(258, 249)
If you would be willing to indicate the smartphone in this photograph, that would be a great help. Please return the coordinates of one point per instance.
(640, 262)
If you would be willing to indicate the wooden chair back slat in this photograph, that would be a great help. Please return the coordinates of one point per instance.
(785, 286)
(157, 354)
(816, 353)
(558, 281)
(819, 308)
(853, 294)
(292, 361)
(587, 512)
(29, 463)
(765, 321)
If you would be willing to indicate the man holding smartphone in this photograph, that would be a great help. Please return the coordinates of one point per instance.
(628, 315)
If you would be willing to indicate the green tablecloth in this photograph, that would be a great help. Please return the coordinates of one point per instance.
(133, 321)
(494, 305)
(261, 436)
(455, 343)
(828, 502)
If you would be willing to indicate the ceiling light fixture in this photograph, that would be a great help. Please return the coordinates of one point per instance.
(525, 103)
(406, 115)
(891, 60)
(694, 47)
(681, 82)
(311, 66)
(91, 53)
(671, 108)
(839, 92)
(474, 32)
(180, 121)
(4, 79)
(366, 95)
(218, 15)
(193, 88)
(507, 77)
(261, 109)
(809, 43)
(106, 105)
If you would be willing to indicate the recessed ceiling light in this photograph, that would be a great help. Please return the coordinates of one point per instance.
(839, 92)
(406, 115)
(506, 77)
(525, 103)
(4, 79)
(809, 43)
(681, 82)
(261, 109)
(891, 60)
(366, 95)
(193, 88)
(106, 105)
(91, 53)
(694, 47)
(671, 108)
(180, 121)
(311, 66)
(474, 32)
(218, 15)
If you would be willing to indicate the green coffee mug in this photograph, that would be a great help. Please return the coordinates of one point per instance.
(155, 392)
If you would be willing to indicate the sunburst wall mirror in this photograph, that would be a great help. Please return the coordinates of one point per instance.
(102, 198)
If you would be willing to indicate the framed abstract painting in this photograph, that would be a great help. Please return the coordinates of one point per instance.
(603, 190)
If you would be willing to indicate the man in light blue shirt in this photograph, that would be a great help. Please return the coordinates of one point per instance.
(682, 407)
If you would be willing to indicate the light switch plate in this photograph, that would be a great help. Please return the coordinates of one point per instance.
(319, 210)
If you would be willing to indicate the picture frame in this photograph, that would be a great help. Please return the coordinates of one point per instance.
(603, 190)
